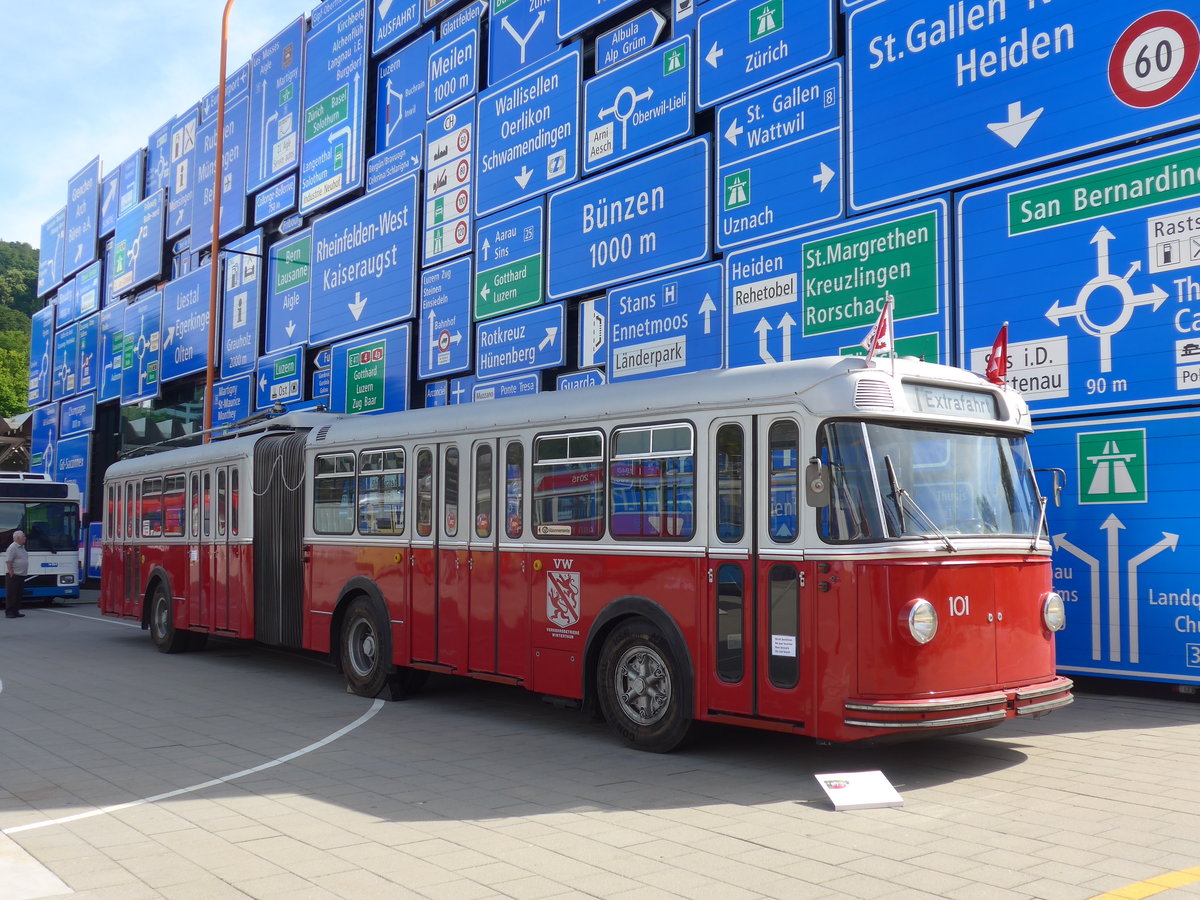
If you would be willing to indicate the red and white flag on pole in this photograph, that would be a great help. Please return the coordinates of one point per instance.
(881, 338)
(997, 367)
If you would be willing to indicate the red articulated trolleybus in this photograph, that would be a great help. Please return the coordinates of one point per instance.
(819, 547)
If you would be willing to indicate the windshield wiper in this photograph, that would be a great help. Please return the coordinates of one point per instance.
(901, 494)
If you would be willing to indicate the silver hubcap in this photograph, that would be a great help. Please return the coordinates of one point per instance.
(162, 615)
(643, 685)
(362, 648)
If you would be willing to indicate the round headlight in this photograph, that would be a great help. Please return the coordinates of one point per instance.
(1054, 613)
(920, 620)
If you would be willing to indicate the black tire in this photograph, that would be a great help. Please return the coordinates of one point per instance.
(167, 638)
(366, 649)
(642, 687)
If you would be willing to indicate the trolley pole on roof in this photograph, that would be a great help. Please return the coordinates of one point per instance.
(210, 371)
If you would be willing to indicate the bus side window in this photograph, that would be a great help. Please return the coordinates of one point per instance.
(731, 483)
(222, 501)
(333, 494)
(568, 485)
(233, 501)
(514, 480)
(207, 519)
(195, 500)
(424, 492)
(450, 501)
(174, 506)
(483, 491)
(130, 510)
(783, 452)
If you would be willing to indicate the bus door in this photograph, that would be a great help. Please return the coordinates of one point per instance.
(424, 557)
(453, 576)
(131, 548)
(197, 608)
(483, 562)
(216, 499)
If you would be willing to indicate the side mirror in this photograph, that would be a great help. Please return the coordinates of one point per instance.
(816, 483)
(1059, 481)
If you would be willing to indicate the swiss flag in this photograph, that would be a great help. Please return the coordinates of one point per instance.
(997, 367)
(881, 338)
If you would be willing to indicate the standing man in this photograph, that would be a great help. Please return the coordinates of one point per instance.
(16, 562)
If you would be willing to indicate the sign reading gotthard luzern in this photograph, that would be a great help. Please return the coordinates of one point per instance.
(818, 293)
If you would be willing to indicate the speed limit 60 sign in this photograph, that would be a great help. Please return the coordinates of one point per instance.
(1154, 59)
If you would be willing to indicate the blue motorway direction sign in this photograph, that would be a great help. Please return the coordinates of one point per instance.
(530, 132)
(279, 378)
(158, 160)
(74, 454)
(460, 390)
(83, 217)
(322, 384)
(1112, 318)
(444, 326)
(747, 43)
(522, 342)
(87, 290)
(453, 70)
(510, 266)
(639, 106)
(779, 158)
(233, 176)
(646, 217)
(110, 188)
(241, 300)
(138, 245)
(393, 21)
(819, 293)
(520, 33)
(185, 324)
(465, 17)
(977, 91)
(436, 393)
(593, 332)
(370, 372)
(449, 182)
(364, 263)
(132, 181)
(65, 308)
(394, 163)
(89, 353)
(1124, 548)
(77, 414)
(231, 400)
(335, 91)
(275, 82)
(430, 8)
(110, 357)
(629, 39)
(50, 259)
(502, 388)
(237, 87)
(288, 291)
(275, 200)
(574, 381)
(41, 355)
(576, 15)
(668, 325)
(66, 362)
(401, 89)
(141, 349)
(183, 172)
(43, 439)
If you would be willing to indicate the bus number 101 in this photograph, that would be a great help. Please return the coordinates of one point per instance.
(960, 606)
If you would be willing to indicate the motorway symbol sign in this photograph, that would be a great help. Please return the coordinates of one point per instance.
(141, 349)
(394, 163)
(638, 106)
(453, 70)
(629, 39)
(132, 180)
(185, 324)
(574, 381)
(332, 144)
(370, 373)
(110, 357)
(110, 187)
(241, 300)
(183, 174)
(77, 414)
(816, 293)
(577, 15)
(971, 95)
(66, 310)
(275, 200)
(520, 33)
(41, 355)
(401, 88)
(289, 291)
(444, 336)
(66, 362)
(667, 325)
(393, 21)
(89, 349)
(747, 43)
(521, 342)
(138, 245)
(274, 129)
(510, 266)
(83, 217)
(278, 379)
(364, 263)
(50, 259)
(645, 217)
(1112, 318)
(231, 400)
(43, 452)
(532, 126)
(449, 182)
(779, 158)
(501, 388)
(87, 290)
(233, 176)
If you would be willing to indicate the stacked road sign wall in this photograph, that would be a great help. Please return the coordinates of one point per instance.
(430, 202)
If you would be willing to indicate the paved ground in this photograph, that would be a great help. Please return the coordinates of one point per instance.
(241, 772)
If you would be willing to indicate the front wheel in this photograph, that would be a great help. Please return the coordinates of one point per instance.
(366, 646)
(642, 688)
(167, 638)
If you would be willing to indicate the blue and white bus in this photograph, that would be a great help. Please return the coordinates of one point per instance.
(48, 512)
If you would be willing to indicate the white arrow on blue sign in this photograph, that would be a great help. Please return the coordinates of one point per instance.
(138, 245)
(401, 87)
(185, 324)
(50, 259)
(629, 39)
(576, 15)
(142, 349)
(444, 337)
(83, 217)
(520, 33)
(278, 378)
(289, 291)
(241, 300)
(275, 86)
(370, 372)
(393, 21)
(523, 342)
(112, 326)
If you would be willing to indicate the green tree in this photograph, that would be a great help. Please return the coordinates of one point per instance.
(18, 301)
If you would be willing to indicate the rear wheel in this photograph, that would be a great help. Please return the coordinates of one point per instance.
(366, 646)
(166, 637)
(642, 688)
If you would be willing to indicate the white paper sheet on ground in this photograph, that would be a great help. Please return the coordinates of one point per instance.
(859, 790)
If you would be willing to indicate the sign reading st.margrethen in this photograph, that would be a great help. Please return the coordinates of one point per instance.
(848, 278)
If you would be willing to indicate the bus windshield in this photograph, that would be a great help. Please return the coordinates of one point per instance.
(49, 525)
(891, 481)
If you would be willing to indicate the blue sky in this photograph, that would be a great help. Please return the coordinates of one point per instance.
(95, 77)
